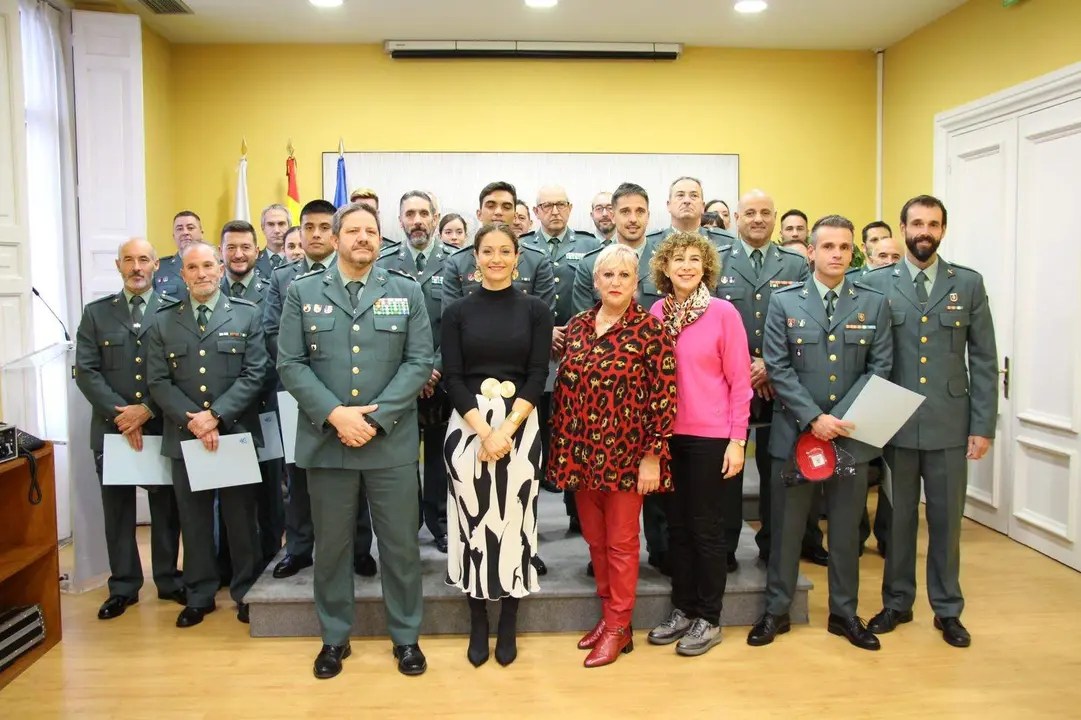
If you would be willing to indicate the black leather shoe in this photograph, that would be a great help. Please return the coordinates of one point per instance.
(660, 561)
(115, 606)
(953, 632)
(328, 662)
(768, 628)
(179, 596)
(589, 569)
(365, 565)
(242, 613)
(190, 616)
(290, 566)
(733, 564)
(887, 621)
(441, 544)
(539, 565)
(817, 555)
(853, 630)
(410, 659)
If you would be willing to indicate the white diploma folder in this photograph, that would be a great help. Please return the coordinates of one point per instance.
(287, 413)
(272, 437)
(233, 463)
(124, 466)
(880, 410)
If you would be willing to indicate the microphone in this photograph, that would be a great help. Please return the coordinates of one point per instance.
(62, 325)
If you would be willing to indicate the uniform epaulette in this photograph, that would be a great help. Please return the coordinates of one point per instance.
(595, 251)
(726, 234)
(657, 233)
(963, 267)
(402, 273)
(724, 248)
(310, 273)
(587, 233)
(789, 288)
(856, 271)
(283, 266)
(241, 301)
(531, 234)
(388, 251)
(790, 251)
(109, 298)
(523, 248)
(167, 301)
(877, 269)
(464, 249)
(863, 286)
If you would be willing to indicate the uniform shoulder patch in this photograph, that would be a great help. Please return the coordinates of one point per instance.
(789, 288)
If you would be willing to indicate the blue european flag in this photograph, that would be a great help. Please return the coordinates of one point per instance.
(341, 193)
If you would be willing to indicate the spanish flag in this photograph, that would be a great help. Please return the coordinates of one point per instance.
(292, 200)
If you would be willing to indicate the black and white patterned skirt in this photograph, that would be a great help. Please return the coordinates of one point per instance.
(492, 507)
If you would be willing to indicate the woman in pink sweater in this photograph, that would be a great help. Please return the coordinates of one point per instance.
(713, 385)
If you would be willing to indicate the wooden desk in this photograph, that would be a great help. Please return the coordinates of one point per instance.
(29, 563)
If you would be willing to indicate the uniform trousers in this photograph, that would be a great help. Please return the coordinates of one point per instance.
(335, 502)
(945, 478)
(846, 497)
(239, 516)
(299, 530)
(610, 527)
(125, 566)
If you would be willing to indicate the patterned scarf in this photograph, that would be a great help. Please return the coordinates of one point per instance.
(678, 315)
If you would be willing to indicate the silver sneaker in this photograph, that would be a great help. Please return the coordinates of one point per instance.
(699, 639)
(670, 630)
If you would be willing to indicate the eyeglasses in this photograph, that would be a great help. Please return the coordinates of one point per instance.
(604, 209)
(550, 206)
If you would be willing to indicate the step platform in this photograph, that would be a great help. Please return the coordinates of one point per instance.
(567, 601)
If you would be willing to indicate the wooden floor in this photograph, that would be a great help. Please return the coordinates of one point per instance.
(1024, 612)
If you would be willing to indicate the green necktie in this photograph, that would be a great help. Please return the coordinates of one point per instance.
(275, 260)
(238, 289)
(921, 287)
(420, 262)
(204, 319)
(316, 267)
(354, 287)
(136, 310)
(831, 304)
(756, 261)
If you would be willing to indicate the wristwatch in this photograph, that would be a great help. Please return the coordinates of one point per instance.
(740, 443)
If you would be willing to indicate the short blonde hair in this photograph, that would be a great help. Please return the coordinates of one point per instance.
(658, 264)
(613, 255)
(363, 194)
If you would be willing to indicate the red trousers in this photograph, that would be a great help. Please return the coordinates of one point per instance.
(610, 528)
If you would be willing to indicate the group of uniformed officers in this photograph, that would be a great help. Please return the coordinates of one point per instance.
(198, 344)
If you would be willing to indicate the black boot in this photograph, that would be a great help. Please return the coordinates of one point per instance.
(478, 632)
(506, 646)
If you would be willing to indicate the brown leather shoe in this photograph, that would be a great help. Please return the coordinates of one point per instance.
(613, 643)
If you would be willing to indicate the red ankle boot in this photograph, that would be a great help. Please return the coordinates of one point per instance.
(590, 638)
(615, 641)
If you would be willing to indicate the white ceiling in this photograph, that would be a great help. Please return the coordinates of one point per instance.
(794, 24)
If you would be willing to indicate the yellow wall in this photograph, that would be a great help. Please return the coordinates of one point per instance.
(158, 111)
(802, 122)
(978, 49)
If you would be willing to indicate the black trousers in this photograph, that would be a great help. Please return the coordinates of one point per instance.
(433, 493)
(696, 526)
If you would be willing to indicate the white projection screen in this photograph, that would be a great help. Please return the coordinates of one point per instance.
(456, 178)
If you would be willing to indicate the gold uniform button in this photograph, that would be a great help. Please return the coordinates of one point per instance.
(923, 360)
(957, 324)
(138, 396)
(923, 339)
(172, 355)
(833, 358)
(139, 343)
(356, 349)
(758, 314)
(758, 296)
(727, 297)
(757, 332)
(356, 392)
(833, 378)
(202, 353)
(758, 351)
(138, 359)
(356, 328)
(313, 328)
(923, 319)
(106, 342)
(923, 381)
(799, 341)
(202, 371)
(313, 347)
(356, 371)
(557, 297)
(833, 398)
(234, 351)
(206, 404)
(202, 388)
(394, 327)
(863, 341)
(557, 279)
(833, 338)
(138, 377)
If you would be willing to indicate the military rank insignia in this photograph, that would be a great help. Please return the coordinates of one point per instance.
(572, 256)
(953, 297)
(391, 306)
(781, 283)
(791, 322)
(437, 279)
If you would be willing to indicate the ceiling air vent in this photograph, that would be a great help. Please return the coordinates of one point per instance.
(166, 7)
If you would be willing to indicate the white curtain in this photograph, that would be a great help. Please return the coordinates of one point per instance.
(53, 233)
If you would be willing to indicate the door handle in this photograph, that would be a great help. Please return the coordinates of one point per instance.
(1005, 373)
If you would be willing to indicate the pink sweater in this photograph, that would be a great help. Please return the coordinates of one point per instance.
(713, 373)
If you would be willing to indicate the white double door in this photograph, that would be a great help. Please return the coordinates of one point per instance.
(1012, 188)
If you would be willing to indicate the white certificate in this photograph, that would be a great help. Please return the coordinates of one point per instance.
(272, 437)
(880, 410)
(233, 463)
(124, 466)
(287, 413)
